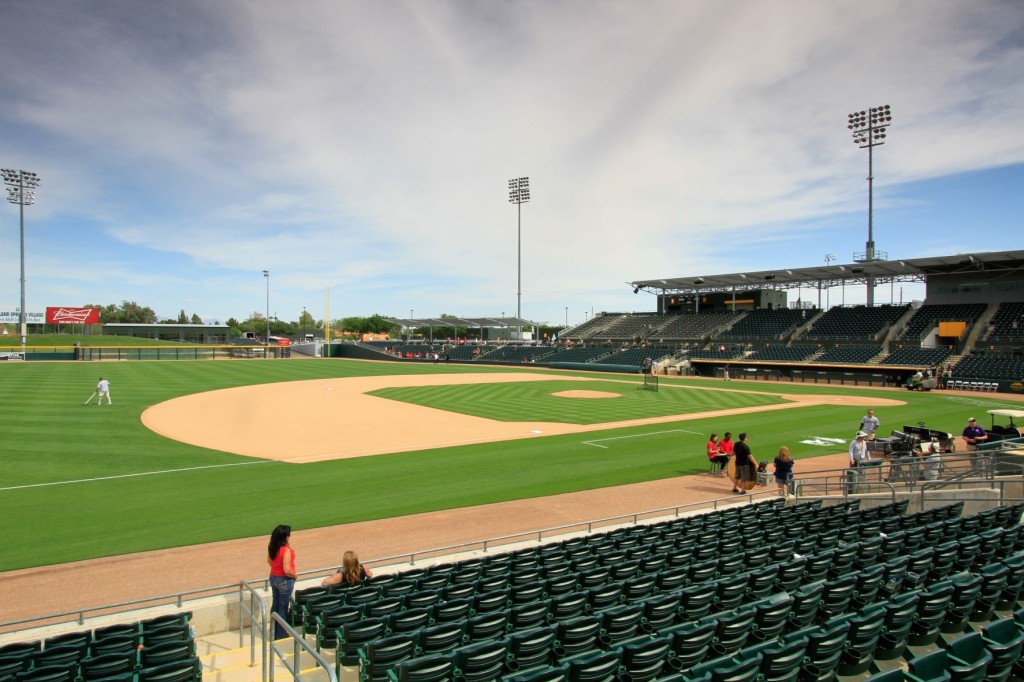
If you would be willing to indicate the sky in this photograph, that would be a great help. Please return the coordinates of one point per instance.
(363, 148)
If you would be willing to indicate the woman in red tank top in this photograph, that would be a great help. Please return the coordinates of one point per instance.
(281, 559)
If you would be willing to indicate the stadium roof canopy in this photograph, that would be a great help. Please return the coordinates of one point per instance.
(883, 271)
(500, 322)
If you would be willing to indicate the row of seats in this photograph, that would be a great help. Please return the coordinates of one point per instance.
(765, 324)
(154, 650)
(849, 355)
(914, 356)
(975, 367)
(929, 315)
(967, 385)
(794, 353)
(703, 595)
(1007, 324)
(856, 322)
(622, 640)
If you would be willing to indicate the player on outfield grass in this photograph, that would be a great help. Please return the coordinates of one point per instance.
(102, 389)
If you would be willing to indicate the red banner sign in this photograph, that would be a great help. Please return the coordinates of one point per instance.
(72, 316)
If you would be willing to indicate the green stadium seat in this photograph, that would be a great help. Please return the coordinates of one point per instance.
(376, 658)
(480, 662)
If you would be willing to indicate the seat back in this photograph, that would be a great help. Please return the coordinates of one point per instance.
(426, 669)
(441, 638)
(166, 652)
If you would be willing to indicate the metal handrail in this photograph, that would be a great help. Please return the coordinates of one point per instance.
(847, 487)
(907, 470)
(299, 643)
(255, 600)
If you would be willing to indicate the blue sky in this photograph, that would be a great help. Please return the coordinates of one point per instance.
(186, 146)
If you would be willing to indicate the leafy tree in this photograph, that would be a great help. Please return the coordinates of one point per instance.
(128, 312)
(182, 317)
(196, 319)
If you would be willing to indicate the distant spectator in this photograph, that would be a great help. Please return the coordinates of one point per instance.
(974, 434)
(351, 572)
(715, 454)
(745, 465)
(783, 470)
(281, 559)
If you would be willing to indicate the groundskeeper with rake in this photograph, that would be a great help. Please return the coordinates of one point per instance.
(102, 390)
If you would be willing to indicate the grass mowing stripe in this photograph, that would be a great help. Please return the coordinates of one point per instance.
(535, 401)
(46, 434)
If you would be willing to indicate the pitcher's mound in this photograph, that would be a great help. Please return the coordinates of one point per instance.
(586, 394)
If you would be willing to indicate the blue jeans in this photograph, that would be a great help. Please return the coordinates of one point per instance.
(282, 589)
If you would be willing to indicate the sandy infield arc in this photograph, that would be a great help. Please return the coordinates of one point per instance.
(322, 419)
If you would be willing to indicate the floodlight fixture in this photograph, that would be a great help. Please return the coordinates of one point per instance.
(21, 187)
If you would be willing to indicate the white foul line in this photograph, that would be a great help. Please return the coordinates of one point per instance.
(144, 473)
(638, 435)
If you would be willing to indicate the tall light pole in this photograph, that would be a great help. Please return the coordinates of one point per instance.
(829, 257)
(266, 276)
(21, 190)
(519, 194)
(868, 128)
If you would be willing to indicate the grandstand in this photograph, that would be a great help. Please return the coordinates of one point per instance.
(973, 308)
(858, 322)
(844, 590)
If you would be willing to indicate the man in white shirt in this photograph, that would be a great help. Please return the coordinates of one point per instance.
(859, 457)
(102, 389)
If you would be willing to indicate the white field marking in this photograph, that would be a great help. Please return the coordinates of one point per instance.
(638, 435)
(821, 441)
(981, 402)
(144, 473)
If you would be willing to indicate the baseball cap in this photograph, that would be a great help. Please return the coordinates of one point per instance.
(972, 419)
(861, 434)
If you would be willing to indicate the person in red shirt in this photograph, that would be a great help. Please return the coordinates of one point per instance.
(715, 454)
(281, 559)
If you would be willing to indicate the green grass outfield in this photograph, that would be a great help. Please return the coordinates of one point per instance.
(78, 482)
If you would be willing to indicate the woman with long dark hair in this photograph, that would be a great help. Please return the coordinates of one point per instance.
(281, 558)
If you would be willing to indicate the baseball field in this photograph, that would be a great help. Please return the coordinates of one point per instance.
(193, 452)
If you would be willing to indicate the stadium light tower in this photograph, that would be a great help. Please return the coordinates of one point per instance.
(869, 128)
(21, 190)
(266, 276)
(829, 257)
(519, 194)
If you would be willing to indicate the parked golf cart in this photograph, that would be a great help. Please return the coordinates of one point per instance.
(1009, 429)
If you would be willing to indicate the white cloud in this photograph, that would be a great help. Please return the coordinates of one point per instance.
(369, 143)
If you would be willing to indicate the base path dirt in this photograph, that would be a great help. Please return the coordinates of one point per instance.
(322, 419)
